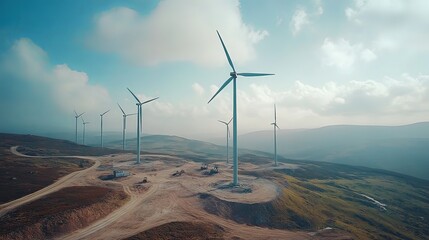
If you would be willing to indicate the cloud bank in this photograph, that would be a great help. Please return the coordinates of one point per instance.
(177, 31)
(66, 88)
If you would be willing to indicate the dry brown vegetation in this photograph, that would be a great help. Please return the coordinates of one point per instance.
(182, 230)
(21, 176)
(43, 146)
(63, 211)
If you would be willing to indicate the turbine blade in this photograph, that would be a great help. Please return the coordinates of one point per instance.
(131, 114)
(254, 74)
(75, 113)
(122, 110)
(80, 114)
(275, 114)
(83, 121)
(153, 99)
(226, 52)
(223, 122)
(134, 96)
(230, 120)
(222, 87)
(105, 112)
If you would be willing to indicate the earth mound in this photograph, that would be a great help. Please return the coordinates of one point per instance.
(61, 212)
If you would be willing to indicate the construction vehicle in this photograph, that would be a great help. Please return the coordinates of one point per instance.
(204, 166)
(178, 173)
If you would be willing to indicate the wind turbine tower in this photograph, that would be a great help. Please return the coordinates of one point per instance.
(233, 77)
(101, 120)
(275, 126)
(83, 136)
(124, 124)
(76, 116)
(227, 138)
(139, 120)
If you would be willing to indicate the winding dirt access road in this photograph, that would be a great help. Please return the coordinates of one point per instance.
(57, 185)
(165, 198)
(111, 218)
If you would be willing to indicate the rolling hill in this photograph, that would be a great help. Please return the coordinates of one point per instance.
(402, 149)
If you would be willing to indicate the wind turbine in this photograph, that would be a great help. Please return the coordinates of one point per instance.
(275, 126)
(139, 121)
(233, 77)
(76, 116)
(84, 124)
(227, 138)
(101, 119)
(124, 124)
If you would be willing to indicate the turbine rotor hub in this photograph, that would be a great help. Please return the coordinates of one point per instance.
(233, 74)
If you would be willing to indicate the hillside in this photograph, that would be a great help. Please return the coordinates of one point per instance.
(183, 147)
(296, 200)
(401, 149)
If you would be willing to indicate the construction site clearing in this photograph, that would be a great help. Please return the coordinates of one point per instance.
(165, 189)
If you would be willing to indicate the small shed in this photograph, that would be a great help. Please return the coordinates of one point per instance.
(120, 173)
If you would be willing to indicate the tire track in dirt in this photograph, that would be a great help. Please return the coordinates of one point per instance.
(57, 185)
(127, 208)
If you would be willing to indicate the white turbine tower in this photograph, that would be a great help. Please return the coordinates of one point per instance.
(275, 126)
(227, 138)
(233, 77)
(139, 121)
(101, 120)
(83, 136)
(76, 116)
(124, 124)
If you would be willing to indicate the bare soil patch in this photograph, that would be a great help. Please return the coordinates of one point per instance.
(20, 176)
(63, 211)
(182, 230)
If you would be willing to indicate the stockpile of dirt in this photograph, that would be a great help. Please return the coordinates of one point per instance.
(182, 230)
(61, 212)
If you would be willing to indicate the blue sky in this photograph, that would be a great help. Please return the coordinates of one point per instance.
(336, 62)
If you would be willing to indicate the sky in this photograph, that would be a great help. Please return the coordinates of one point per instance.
(335, 62)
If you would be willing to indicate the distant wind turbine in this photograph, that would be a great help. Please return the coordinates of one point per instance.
(275, 126)
(139, 120)
(76, 116)
(101, 120)
(84, 124)
(227, 138)
(233, 77)
(124, 124)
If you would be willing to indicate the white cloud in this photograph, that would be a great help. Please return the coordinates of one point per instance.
(368, 55)
(393, 100)
(68, 88)
(198, 89)
(169, 34)
(299, 19)
(343, 55)
(363, 98)
(394, 24)
(319, 7)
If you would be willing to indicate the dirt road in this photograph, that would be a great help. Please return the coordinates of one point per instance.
(60, 183)
(165, 198)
